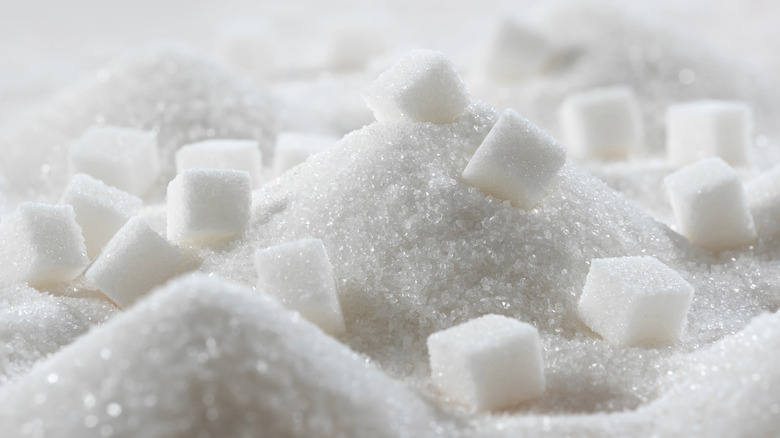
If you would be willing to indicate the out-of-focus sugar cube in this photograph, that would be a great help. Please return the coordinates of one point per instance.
(517, 52)
(293, 148)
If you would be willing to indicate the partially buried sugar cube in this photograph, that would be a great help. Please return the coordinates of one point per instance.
(101, 210)
(300, 276)
(710, 205)
(42, 245)
(489, 363)
(135, 261)
(708, 128)
(604, 123)
(517, 161)
(293, 148)
(222, 154)
(208, 206)
(423, 86)
(635, 301)
(120, 157)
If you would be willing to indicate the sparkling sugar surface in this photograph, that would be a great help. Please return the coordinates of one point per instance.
(414, 249)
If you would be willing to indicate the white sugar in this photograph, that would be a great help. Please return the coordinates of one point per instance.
(222, 154)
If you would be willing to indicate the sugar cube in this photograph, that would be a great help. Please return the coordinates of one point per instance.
(423, 86)
(635, 301)
(42, 245)
(604, 123)
(517, 161)
(489, 363)
(101, 210)
(120, 157)
(352, 45)
(710, 205)
(293, 148)
(222, 154)
(133, 262)
(707, 128)
(300, 276)
(517, 52)
(208, 205)
(763, 195)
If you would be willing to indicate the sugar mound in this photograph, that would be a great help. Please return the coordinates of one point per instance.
(174, 91)
(234, 363)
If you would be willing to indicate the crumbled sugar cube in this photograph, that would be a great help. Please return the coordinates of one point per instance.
(120, 157)
(489, 363)
(708, 128)
(222, 154)
(517, 161)
(300, 276)
(133, 262)
(635, 301)
(101, 210)
(710, 205)
(208, 205)
(517, 52)
(603, 123)
(293, 148)
(42, 245)
(763, 195)
(423, 86)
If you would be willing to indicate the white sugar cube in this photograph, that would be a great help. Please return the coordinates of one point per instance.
(208, 206)
(352, 45)
(489, 363)
(120, 157)
(300, 276)
(517, 52)
(293, 148)
(423, 86)
(635, 301)
(133, 262)
(710, 205)
(222, 154)
(101, 210)
(517, 161)
(604, 123)
(42, 245)
(707, 128)
(763, 194)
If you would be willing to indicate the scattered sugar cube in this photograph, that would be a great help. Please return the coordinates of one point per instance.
(517, 51)
(423, 86)
(489, 363)
(516, 161)
(763, 195)
(604, 123)
(208, 205)
(710, 205)
(120, 157)
(293, 148)
(133, 262)
(222, 154)
(300, 276)
(708, 128)
(42, 245)
(635, 301)
(101, 210)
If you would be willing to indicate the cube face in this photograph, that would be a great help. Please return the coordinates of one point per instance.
(41, 245)
(763, 194)
(423, 86)
(604, 123)
(709, 128)
(300, 276)
(123, 158)
(100, 210)
(635, 301)
(517, 52)
(517, 161)
(222, 154)
(710, 205)
(135, 261)
(293, 148)
(208, 206)
(489, 363)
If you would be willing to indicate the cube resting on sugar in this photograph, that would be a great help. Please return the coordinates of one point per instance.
(300, 276)
(222, 154)
(489, 363)
(635, 301)
(517, 161)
